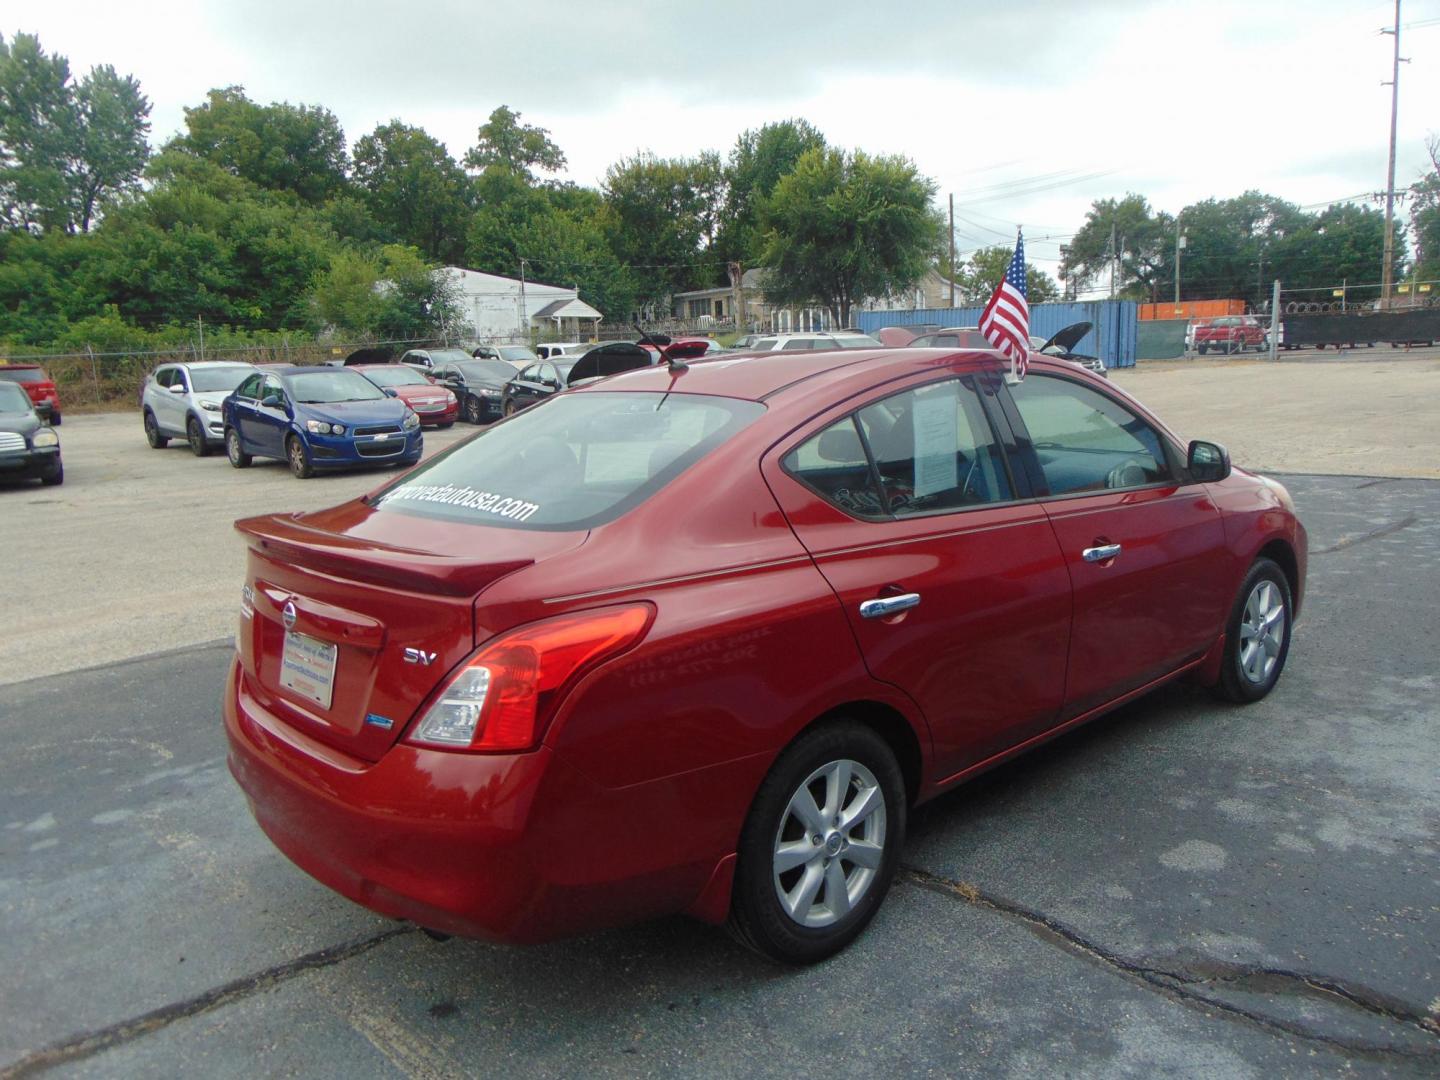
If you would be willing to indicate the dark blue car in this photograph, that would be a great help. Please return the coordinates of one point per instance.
(318, 418)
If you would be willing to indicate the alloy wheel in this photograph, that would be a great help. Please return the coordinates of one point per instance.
(1262, 632)
(830, 843)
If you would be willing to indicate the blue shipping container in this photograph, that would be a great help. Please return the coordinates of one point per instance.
(1112, 337)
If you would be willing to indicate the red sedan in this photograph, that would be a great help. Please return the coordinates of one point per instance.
(435, 405)
(699, 639)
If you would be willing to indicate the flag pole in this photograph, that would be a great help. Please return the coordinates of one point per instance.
(1013, 379)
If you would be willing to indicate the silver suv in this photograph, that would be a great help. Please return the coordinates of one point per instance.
(182, 401)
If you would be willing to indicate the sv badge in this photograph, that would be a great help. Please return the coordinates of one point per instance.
(419, 656)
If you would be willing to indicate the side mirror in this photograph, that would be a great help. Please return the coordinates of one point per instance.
(1208, 462)
(177, 388)
(389, 391)
(273, 400)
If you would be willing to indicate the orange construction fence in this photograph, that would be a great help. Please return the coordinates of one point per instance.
(1191, 309)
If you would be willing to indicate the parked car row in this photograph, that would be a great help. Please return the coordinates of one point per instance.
(313, 418)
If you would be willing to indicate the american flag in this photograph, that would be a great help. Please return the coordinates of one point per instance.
(1005, 321)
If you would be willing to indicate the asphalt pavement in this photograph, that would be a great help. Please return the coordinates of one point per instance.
(1181, 888)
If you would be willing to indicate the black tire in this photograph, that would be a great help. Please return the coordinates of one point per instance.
(152, 433)
(1236, 683)
(1202, 349)
(237, 456)
(473, 412)
(757, 918)
(55, 477)
(195, 436)
(299, 458)
(511, 408)
(55, 419)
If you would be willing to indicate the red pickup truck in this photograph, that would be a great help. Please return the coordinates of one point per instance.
(1229, 334)
(38, 385)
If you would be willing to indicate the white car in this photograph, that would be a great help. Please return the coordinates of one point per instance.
(182, 401)
(552, 349)
(795, 342)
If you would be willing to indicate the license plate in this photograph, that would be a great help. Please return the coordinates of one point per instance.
(307, 668)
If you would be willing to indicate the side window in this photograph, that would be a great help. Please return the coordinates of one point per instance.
(549, 376)
(833, 465)
(271, 386)
(163, 377)
(934, 449)
(179, 379)
(531, 373)
(250, 388)
(1087, 441)
(798, 343)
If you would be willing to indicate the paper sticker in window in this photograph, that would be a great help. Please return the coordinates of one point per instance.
(936, 440)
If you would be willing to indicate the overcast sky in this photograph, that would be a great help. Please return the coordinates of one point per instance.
(1025, 109)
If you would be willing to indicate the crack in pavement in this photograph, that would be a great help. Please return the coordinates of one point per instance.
(1184, 984)
(87, 1044)
(1374, 534)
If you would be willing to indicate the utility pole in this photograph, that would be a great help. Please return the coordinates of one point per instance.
(952, 249)
(1275, 321)
(1113, 257)
(1387, 271)
(524, 311)
(201, 320)
(1179, 247)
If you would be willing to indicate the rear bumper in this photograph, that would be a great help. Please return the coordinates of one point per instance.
(515, 848)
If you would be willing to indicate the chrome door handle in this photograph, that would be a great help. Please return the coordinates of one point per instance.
(888, 605)
(1100, 554)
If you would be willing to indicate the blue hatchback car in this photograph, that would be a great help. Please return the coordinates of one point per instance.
(318, 418)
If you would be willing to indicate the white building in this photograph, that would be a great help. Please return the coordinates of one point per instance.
(506, 309)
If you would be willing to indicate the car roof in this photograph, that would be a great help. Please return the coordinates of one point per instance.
(21, 367)
(761, 376)
(209, 363)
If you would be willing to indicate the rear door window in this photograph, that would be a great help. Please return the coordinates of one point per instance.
(926, 450)
(1086, 440)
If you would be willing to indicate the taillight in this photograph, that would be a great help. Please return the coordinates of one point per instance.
(503, 694)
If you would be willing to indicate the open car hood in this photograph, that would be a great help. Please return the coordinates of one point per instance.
(1068, 337)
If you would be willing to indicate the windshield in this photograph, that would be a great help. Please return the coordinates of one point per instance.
(13, 399)
(330, 385)
(216, 380)
(22, 374)
(480, 370)
(516, 354)
(582, 460)
(857, 341)
(399, 375)
(448, 356)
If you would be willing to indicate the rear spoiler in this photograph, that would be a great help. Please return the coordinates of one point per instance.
(282, 538)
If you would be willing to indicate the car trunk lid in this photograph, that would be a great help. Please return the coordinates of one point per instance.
(346, 627)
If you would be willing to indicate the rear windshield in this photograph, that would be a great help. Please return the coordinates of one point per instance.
(517, 354)
(488, 369)
(857, 341)
(213, 380)
(22, 374)
(575, 462)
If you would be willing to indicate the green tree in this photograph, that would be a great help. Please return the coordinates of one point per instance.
(392, 295)
(506, 144)
(1344, 243)
(414, 189)
(281, 147)
(660, 213)
(1425, 215)
(978, 276)
(845, 227)
(65, 148)
(1142, 238)
(760, 157)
